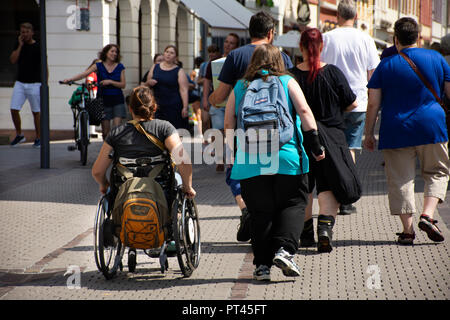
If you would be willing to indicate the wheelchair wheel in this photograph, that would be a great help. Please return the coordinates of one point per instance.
(108, 256)
(186, 232)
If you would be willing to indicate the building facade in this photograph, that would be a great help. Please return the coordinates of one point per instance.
(376, 17)
(432, 15)
(78, 29)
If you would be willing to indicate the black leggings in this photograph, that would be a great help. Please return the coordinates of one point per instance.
(277, 208)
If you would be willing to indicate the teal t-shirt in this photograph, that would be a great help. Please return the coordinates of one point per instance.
(287, 161)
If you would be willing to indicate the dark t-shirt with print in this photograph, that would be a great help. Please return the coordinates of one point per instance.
(129, 143)
(29, 63)
(328, 95)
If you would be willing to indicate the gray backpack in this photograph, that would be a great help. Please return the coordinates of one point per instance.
(264, 116)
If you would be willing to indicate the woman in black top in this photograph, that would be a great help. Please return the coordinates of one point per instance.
(328, 94)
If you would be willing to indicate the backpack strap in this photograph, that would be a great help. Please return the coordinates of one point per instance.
(156, 170)
(150, 137)
(128, 174)
(294, 119)
(124, 171)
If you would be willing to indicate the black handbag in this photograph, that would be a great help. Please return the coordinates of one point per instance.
(95, 110)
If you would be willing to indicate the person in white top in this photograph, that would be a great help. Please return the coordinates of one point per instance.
(445, 47)
(355, 53)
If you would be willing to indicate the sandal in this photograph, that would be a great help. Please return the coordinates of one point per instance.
(429, 226)
(405, 238)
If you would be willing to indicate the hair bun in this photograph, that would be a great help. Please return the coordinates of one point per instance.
(142, 102)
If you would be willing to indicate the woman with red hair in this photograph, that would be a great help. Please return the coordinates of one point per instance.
(328, 94)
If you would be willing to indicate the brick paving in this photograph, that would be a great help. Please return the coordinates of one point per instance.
(46, 225)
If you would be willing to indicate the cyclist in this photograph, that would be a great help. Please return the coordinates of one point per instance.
(111, 77)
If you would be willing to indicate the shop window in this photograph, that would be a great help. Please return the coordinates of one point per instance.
(13, 13)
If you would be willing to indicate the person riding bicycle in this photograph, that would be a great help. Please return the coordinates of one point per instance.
(126, 141)
(111, 78)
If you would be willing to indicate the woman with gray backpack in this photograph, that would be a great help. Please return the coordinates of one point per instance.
(266, 111)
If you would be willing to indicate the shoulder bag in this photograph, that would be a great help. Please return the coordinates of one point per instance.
(95, 110)
(429, 86)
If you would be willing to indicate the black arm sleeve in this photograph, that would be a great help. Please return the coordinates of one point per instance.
(312, 142)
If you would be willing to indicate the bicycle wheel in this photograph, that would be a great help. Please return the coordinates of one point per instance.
(84, 137)
(108, 256)
(186, 233)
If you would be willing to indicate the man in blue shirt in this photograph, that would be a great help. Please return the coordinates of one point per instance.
(412, 124)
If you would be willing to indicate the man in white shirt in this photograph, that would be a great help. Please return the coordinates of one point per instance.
(445, 46)
(355, 53)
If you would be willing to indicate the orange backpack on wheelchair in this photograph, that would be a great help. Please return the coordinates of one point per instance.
(141, 209)
(141, 205)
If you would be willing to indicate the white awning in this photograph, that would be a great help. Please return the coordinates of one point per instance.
(222, 16)
(290, 39)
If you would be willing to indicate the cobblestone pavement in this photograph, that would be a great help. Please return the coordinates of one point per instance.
(46, 225)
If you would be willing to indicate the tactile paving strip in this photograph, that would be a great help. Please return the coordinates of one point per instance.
(366, 262)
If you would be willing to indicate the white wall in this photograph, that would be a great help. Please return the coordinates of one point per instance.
(129, 42)
(69, 52)
(185, 39)
(147, 57)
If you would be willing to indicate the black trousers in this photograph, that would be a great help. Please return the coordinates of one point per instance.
(277, 208)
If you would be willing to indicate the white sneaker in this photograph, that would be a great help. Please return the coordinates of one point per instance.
(262, 273)
(285, 262)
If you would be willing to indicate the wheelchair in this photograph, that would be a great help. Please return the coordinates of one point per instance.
(184, 229)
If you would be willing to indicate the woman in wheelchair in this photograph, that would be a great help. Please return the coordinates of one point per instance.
(126, 141)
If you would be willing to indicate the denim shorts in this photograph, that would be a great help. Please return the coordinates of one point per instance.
(118, 111)
(235, 185)
(217, 117)
(354, 128)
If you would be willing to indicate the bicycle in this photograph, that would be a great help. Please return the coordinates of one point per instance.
(81, 122)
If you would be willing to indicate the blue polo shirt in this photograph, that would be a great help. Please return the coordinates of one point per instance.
(410, 115)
